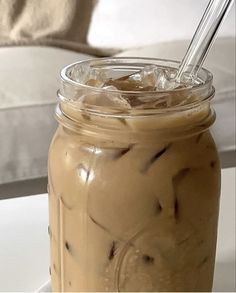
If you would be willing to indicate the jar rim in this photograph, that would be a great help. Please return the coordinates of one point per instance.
(203, 90)
(108, 60)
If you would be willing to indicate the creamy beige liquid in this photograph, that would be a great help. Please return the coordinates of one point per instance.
(133, 216)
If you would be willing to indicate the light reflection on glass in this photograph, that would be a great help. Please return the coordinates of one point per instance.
(85, 174)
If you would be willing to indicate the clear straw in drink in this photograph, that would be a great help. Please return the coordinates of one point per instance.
(202, 40)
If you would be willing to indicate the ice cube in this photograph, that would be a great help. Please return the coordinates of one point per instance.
(94, 82)
(80, 73)
(98, 74)
(129, 83)
(149, 75)
(106, 99)
(150, 78)
(115, 98)
(153, 77)
(85, 74)
(164, 80)
(159, 103)
(142, 80)
(123, 84)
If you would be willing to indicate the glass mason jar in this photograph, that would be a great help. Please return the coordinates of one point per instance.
(134, 192)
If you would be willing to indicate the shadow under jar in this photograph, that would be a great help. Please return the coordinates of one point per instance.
(134, 192)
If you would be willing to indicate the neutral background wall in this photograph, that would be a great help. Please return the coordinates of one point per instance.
(127, 23)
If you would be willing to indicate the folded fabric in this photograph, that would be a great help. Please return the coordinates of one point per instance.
(58, 23)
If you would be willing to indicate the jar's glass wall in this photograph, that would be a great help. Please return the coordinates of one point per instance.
(133, 202)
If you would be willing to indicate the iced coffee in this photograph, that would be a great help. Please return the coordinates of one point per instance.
(134, 179)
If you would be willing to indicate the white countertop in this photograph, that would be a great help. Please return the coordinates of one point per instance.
(24, 243)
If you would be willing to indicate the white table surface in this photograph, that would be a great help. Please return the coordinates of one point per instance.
(24, 243)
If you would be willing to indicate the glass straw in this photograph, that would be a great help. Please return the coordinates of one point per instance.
(203, 38)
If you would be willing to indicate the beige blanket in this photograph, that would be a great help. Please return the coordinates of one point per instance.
(60, 23)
